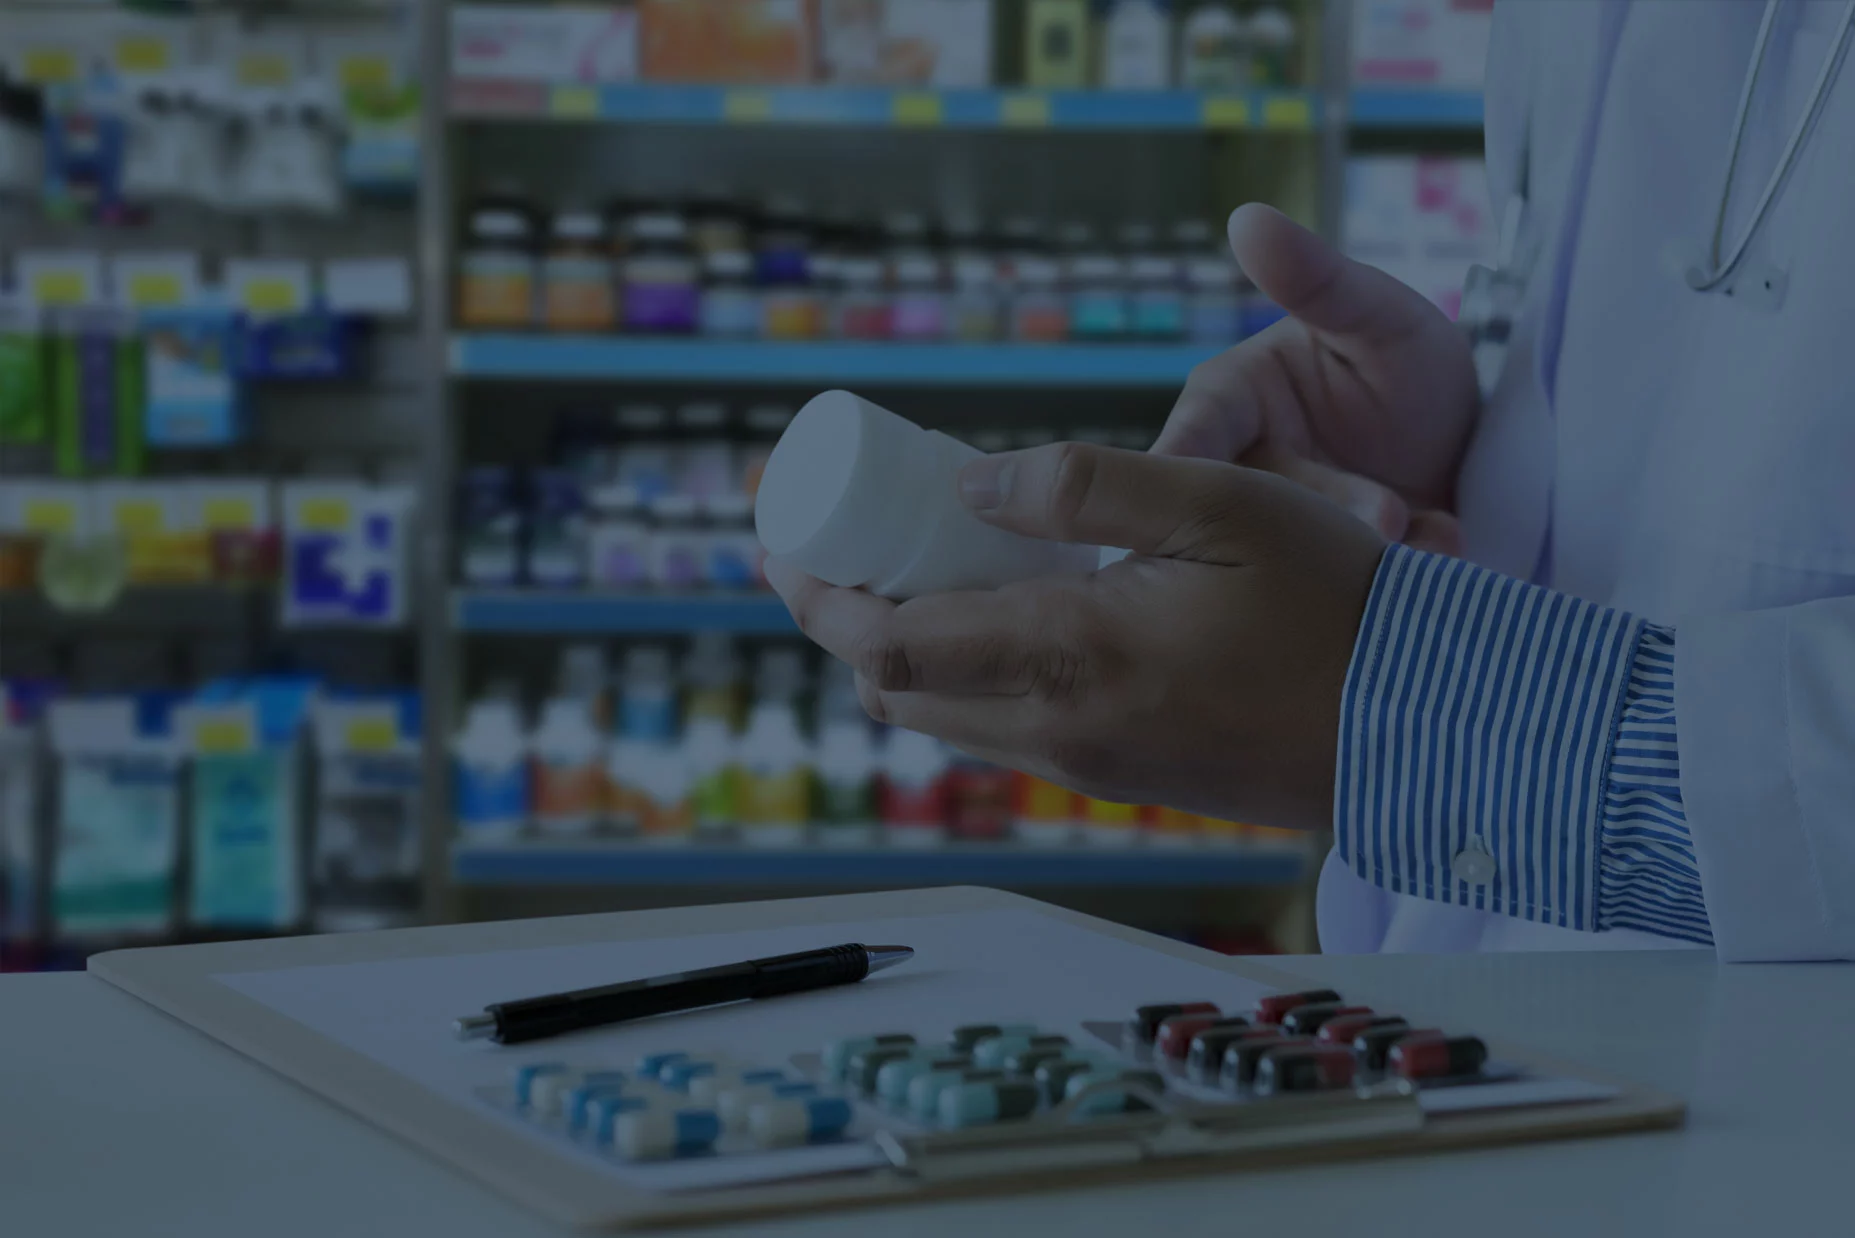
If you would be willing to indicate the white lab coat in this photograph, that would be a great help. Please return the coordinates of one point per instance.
(1693, 455)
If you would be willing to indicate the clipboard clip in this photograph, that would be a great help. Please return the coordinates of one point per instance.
(1070, 1138)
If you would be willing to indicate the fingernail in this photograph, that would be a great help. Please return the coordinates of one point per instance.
(985, 483)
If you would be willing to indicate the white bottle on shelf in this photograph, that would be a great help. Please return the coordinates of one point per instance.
(914, 772)
(857, 496)
(568, 771)
(491, 772)
(847, 812)
(1136, 49)
(776, 766)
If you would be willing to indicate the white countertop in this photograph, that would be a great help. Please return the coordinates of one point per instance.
(116, 1120)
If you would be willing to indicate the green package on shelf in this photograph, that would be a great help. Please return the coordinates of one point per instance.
(97, 394)
(25, 416)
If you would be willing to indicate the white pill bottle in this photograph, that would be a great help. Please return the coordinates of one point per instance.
(860, 497)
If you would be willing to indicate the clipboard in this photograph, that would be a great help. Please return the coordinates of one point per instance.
(1170, 1140)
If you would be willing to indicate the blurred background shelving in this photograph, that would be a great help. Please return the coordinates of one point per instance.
(553, 278)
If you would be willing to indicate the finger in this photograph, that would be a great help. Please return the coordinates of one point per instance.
(1317, 284)
(1437, 532)
(1378, 507)
(1219, 412)
(990, 723)
(978, 643)
(1152, 505)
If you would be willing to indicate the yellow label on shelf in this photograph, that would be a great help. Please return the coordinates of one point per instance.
(149, 289)
(917, 108)
(48, 66)
(365, 73)
(1025, 111)
(270, 296)
(229, 514)
(60, 287)
(1287, 112)
(1106, 812)
(50, 516)
(135, 517)
(264, 69)
(372, 735)
(220, 735)
(573, 102)
(1226, 112)
(325, 515)
(746, 106)
(143, 53)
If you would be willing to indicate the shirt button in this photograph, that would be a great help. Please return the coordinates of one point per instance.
(1473, 865)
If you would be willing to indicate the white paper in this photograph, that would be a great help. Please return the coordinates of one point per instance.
(990, 967)
(376, 286)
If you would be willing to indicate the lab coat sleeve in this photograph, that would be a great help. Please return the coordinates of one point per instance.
(1765, 702)
(1511, 749)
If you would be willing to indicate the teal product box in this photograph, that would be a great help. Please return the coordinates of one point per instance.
(193, 395)
(246, 807)
(117, 831)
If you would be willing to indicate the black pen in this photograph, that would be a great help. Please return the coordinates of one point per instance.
(532, 1018)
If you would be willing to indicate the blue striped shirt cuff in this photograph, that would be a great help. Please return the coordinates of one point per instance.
(1512, 749)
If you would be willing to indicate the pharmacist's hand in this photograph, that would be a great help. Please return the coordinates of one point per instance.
(1365, 393)
(1204, 671)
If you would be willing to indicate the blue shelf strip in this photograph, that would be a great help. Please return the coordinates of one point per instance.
(568, 357)
(866, 107)
(1001, 865)
(538, 612)
(1415, 108)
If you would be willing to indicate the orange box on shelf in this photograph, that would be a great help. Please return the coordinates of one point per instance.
(1169, 826)
(759, 42)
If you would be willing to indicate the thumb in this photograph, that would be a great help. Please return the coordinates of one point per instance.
(1164, 506)
(1317, 284)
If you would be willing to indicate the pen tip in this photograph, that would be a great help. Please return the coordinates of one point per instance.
(474, 1027)
(887, 956)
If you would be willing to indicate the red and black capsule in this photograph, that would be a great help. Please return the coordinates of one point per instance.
(1205, 1058)
(1174, 1037)
(1242, 1054)
(1306, 1020)
(1373, 1045)
(1271, 1009)
(1145, 1023)
(1310, 1067)
(1432, 1055)
(1341, 1031)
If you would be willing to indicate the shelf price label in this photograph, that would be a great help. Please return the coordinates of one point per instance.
(137, 517)
(746, 107)
(50, 65)
(55, 278)
(143, 53)
(267, 286)
(917, 108)
(1022, 111)
(574, 103)
(264, 69)
(1226, 112)
(371, 734)
(325, 515)
(156, 281)
(1287, 112)
(50, 516)
(365, 72)
(222, 734)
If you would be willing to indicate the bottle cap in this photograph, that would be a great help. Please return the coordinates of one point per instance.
(837, 498)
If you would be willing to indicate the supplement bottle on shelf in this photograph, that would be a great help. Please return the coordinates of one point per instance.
(1271, 35)
(1214, 49)
(1056, 44)
(661, 291)
(498, 271)
(646, 456)
(765, 424)
(679, 543)
(1045, 812)
(1039, 314)
(647, 775)
(920, 314)
(578, 290)
(1097, 297)
(1136, 46)
(584, 675)
(847, 763)
(862, 308)
(490, 784)
(1214, 312)
(914, 789)
(716, 226)
(618, 539)
(1156, 306)
(705, 455)
(979, 800)
(792, 307)
(776, 762)
(1171, 828)
(569, 768)
(489, 529)
(975, 314)
(711, 674)
(733, 555)
(730, 302)
(557, 542)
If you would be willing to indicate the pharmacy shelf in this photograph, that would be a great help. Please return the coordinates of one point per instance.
(1415, 108)
(547, 612)
(585, 357)
(874, 108)
(549, 863)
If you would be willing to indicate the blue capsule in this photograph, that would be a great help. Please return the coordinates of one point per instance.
(651, 1134)
(651, 1064)
(525, 1077)
(807, 1119)
(604, 1111)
